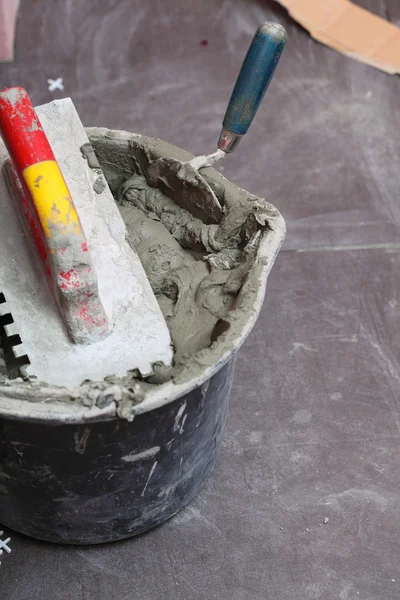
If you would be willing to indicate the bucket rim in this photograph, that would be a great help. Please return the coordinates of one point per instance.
(49, 411)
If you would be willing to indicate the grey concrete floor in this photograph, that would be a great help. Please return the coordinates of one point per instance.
(314, 424)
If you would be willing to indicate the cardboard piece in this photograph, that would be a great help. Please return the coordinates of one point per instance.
(350, 30)
(8, 17)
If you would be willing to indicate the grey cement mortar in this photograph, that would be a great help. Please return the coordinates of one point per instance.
(139, 336)
(209, 279)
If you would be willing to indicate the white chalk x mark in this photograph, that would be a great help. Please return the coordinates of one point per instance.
(55, 84)
(4, 545)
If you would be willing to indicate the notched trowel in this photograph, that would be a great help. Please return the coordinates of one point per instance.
(182, 181)
(75, 303)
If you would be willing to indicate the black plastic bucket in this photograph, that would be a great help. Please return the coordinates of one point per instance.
(77, 474)
(105, 481)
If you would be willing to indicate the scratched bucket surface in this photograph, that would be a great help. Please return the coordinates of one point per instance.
(72, 475)
(100, 482)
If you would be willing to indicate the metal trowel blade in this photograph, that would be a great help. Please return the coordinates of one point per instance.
(13, 353)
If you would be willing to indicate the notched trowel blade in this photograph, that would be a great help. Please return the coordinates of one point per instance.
(140, 336)
(15, 358)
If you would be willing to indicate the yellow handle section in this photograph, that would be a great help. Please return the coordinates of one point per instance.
(54, 205)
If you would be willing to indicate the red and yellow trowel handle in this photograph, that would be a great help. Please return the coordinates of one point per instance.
(35, 163)
(52, 218)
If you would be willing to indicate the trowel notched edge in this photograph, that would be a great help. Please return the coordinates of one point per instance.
(15, 358)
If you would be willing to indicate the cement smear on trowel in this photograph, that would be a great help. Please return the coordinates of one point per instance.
(196, 270)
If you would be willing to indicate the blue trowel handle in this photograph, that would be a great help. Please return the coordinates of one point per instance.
(254, 78)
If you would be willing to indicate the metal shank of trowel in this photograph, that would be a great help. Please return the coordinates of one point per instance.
(51, 218)
(254, 78)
